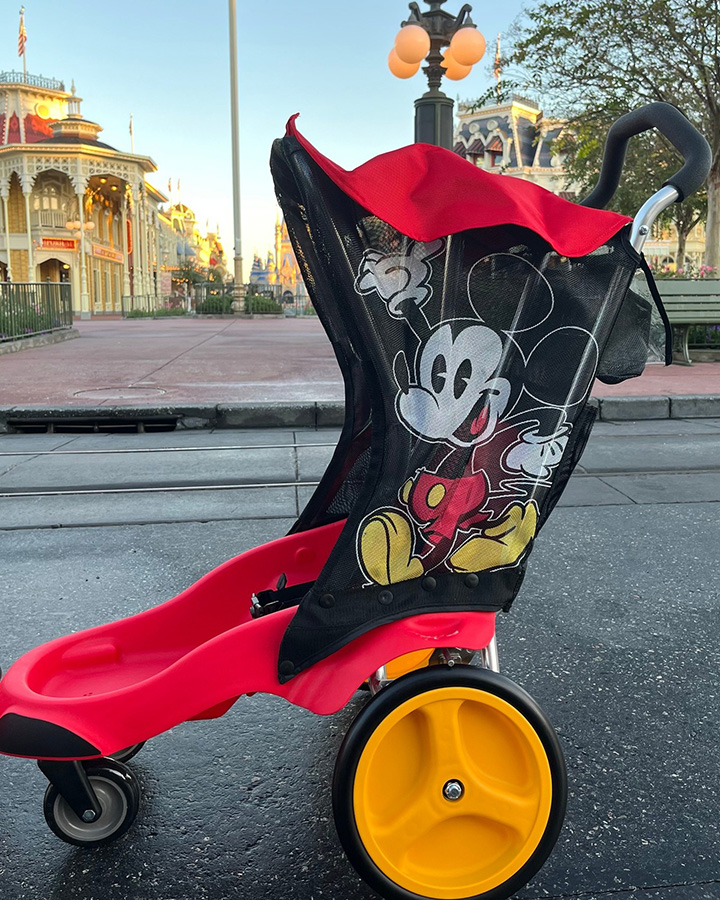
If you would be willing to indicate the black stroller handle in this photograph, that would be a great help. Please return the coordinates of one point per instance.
(670, 122)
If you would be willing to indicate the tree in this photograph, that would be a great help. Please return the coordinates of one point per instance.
(190, 274)
(649, 162)
(593, 57)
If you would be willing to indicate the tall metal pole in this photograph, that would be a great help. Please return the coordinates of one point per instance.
(235, 125)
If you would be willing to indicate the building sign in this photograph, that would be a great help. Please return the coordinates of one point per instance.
(58, 244)
(106, 253)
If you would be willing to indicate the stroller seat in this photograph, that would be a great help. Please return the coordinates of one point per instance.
(93, 693)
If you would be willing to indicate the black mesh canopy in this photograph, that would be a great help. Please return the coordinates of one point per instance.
(468, 362)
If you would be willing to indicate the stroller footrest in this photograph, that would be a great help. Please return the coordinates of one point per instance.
(36, 738)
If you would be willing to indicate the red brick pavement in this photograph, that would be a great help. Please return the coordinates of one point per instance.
(184, 361)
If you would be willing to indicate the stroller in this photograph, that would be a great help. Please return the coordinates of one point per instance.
(470, 315)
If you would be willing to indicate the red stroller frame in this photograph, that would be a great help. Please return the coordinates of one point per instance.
(470, 315)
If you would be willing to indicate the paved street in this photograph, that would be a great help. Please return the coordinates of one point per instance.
(616, 633)
(167, 362)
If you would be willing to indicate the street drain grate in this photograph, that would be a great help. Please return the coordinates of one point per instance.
(94, 425)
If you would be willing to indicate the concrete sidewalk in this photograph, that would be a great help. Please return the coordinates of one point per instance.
(212, 371)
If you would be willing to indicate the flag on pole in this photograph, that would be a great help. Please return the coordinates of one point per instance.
(497, 71)
(22, 36)
(170, 185)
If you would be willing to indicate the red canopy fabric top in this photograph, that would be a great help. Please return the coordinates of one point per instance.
(427, 192)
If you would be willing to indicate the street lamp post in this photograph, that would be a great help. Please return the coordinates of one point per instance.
(79, 229)
(423, 37)
(238, 291)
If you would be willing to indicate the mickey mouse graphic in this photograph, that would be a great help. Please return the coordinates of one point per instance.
(485, 394)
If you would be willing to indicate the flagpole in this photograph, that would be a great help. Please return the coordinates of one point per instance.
(132, 136)
(23, 40)
(497, 72)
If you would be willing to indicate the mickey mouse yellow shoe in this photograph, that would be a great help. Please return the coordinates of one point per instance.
(499, 545)
(386, 549)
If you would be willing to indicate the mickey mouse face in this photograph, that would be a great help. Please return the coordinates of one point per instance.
(456, 396)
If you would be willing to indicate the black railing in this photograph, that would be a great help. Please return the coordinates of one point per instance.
(50, 84)
(29, 309)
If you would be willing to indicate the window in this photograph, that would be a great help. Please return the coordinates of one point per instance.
(495, 152)
(51, 200)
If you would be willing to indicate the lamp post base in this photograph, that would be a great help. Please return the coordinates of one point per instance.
(434, 120)
(238, 304)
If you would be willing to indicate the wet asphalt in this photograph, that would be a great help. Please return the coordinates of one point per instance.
(616, 633)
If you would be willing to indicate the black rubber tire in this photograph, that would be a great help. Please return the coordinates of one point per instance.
(119, 794)
(383, 704)
(127, 753)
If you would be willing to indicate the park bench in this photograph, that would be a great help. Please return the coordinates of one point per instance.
(689, 303)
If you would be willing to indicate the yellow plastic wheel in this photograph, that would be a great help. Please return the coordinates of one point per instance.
(450, 785)
(409, 662)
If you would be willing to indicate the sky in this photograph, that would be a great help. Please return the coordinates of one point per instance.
(166, 62)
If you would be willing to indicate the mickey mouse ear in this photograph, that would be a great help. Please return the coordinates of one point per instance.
(561, 368)
(508, 293)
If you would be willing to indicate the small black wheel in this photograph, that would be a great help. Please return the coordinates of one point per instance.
(118, 793)
(449, 784)
(127, 753)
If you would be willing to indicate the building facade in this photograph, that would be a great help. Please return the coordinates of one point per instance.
(72, 208)
(193, 248)
(513, 138)
(280, 271)
(661, 249)
(516, 139)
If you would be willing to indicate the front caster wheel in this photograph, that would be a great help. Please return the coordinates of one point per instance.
(118, 793)
(450, 785)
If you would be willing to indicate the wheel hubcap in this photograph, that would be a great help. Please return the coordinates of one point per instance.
(453, 790)
(452, 793)
(114, 809)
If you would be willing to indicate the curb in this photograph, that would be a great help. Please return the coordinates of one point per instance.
(313, 414)
(38, 340)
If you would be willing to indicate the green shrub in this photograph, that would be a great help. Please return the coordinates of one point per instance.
(707, 336)
(256, 304)
(214, 306)
(23, 322)
(170, 311)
